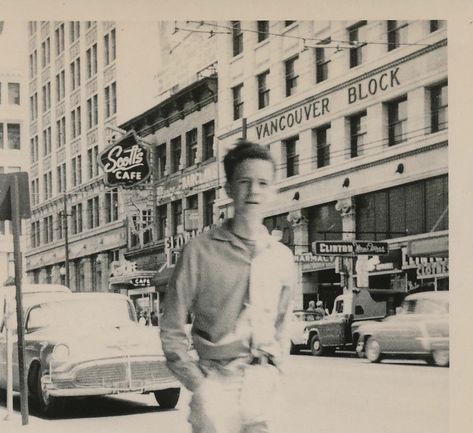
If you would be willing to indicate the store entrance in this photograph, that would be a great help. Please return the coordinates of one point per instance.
(323, 285)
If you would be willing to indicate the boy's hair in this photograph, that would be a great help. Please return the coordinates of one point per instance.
(244, 150)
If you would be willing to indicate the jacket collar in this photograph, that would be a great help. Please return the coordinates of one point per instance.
(224, 233)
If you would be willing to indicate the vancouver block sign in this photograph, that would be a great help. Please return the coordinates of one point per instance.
(350, 248)
(126, 162)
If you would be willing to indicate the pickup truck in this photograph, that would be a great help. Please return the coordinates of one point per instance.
(339, 330)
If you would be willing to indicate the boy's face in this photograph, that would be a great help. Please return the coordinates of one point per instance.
(251, 187)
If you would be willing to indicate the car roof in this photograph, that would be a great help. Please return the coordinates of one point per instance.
(34, 288)
(442, 295)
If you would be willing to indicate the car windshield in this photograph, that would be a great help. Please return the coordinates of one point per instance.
(110, 312)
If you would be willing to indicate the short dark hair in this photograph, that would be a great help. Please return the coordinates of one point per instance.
(245, 149)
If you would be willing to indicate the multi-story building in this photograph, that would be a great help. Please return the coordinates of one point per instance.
(13, 126)
(355, 114)
(178, 201)
(82, 79)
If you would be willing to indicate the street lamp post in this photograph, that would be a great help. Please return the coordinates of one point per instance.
(66, 241)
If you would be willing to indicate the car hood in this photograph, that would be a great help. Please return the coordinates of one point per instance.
(101, 342)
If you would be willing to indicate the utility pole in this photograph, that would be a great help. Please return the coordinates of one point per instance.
(66, 240)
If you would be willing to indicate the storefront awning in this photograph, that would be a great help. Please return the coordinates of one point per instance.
(435, 246)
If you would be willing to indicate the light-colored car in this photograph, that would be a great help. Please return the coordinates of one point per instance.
(85, 344)
(420, 329)
(299, 334)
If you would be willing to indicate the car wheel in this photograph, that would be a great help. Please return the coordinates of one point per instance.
(441, 358)
(294, 350)
(373, 350)
(316, 347)
(167, 398)
(47, 404)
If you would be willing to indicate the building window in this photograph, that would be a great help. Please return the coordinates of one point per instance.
(191, 146)
(61, 178)
(110, 47)
(280, 222)
(35, 234)
(439, 107)
(47, 97)
(61, 132)
(13, 136)
(288, 23)
(437, 25)
(292, 158)
(47, 146)
(110, 100)
(162, 219)
(31, 28)
(263, 30)
(176, 207)
(33, 64)
(322, 62)
(74, 31)
(161, 160)
(397, 33)
(291, 76)
(76, 170)
(91, 61)
(111, 205)
(75, 123)
(209, 199)
(237, 37)
(60, 86)
(48, 185)
(48, 229)
(263, 90)
(92, 162)
(237, 102)
(175, 154)
(45, 52)
(357, 125)
(59, 39)
(1, 136)
(76, 218)
(75, 74)
(325, 223)
(34, 149)
(397, 121)
(34, 106)
(35, 191)
(92, 112)
(14, 93)
(322, 144)
(356, 37)
(208, 133)
(93, 213)
(60, 225)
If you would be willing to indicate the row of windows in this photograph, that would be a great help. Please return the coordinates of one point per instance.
(61, 176)
(52, 227)
(74, 28)
(192, 146)
(13, 92)
(397, 132)
(396, 35)
(109, 51)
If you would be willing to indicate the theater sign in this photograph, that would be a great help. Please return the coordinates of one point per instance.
(126, 162)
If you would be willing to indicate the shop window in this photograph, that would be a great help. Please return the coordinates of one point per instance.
(325, 223)
(397, 33)
(292, 158)
(356, 35)
(263, 90)
(358, 129)
(397, 121)
(322, 62)
(291, 76)
(263, 30)
(439, 107)
(237, 38)
(237, 101)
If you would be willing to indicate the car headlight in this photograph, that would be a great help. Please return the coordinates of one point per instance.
(60, 352)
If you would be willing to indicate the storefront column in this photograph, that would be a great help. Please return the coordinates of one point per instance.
(87, 266)
(57, 274)
(103, 283)
(42, 275)
(300, 228)
(346, 207)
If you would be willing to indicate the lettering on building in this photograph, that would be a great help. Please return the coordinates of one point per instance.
(349, 248)
(373, 85)
(311, 258)
(311, 110)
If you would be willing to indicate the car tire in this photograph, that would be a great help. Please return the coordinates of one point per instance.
(441, 358)
(294, 350)
(167, 398)
(48, 405)
(373, 350)
(316, 347)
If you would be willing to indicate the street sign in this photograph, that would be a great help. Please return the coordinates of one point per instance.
(350, 248)
(126, 162)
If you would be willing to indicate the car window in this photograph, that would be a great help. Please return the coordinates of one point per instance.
(339, 306)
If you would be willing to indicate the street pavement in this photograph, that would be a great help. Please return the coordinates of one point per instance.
(336, 394)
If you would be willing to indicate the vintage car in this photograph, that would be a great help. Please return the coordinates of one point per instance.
(420, 329)
(86, 344)
(301, 319)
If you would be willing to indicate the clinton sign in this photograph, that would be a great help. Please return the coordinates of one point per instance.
(125, 162)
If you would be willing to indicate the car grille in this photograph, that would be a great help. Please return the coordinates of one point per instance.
(116, 375)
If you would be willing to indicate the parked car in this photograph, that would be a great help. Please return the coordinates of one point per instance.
(301, 319)
(420, 329)
(85, 344)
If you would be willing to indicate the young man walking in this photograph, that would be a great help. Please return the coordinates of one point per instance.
(236, 280)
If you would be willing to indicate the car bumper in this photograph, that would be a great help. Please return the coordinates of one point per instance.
(112, 376)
